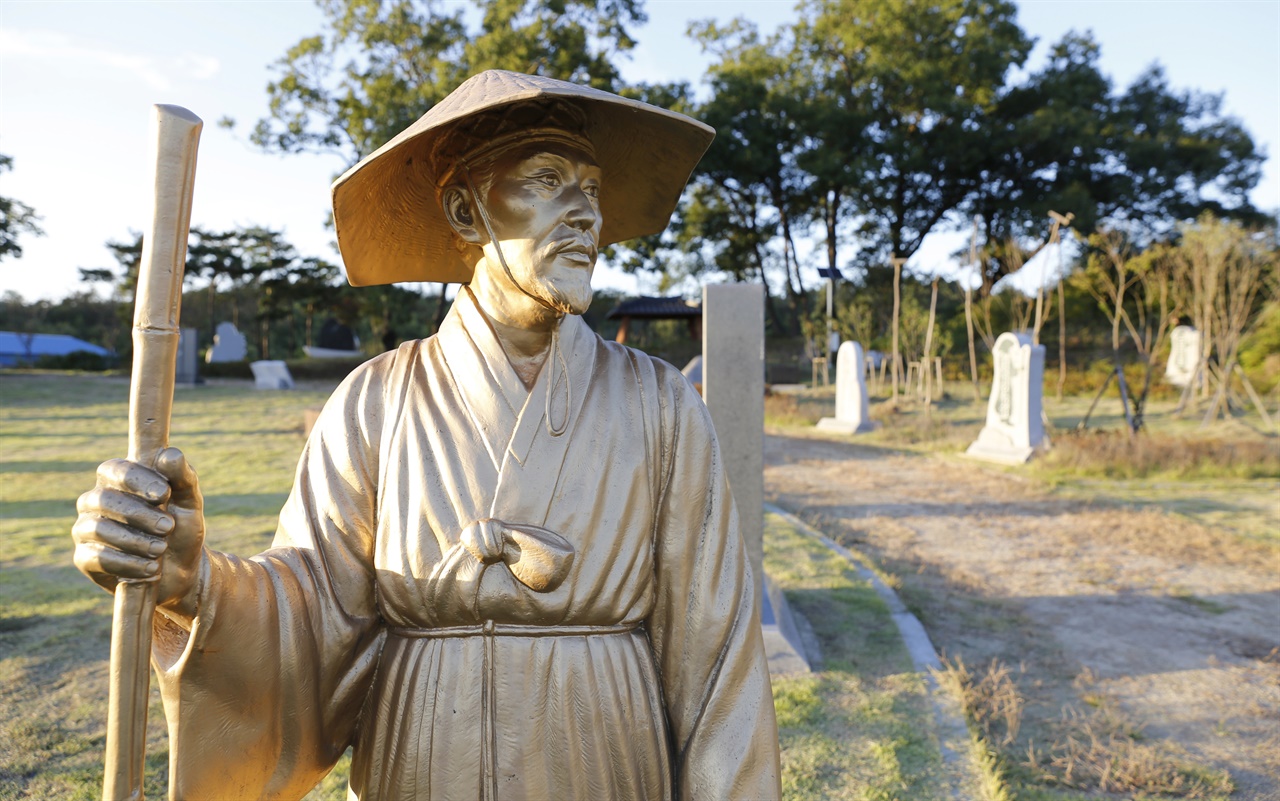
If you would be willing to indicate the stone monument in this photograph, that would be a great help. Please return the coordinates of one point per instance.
(228, 345)
(731, 371)
(1014, 430)
(271, 374)
(186, 372)
(1184, 356)
(510, 566)
(853, 415)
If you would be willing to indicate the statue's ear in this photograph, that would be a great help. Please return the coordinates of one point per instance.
(460, 214)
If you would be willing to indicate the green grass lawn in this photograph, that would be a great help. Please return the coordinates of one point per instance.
(859, 729)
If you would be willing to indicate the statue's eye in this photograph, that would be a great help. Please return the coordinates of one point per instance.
(591, 190)
(550, 179)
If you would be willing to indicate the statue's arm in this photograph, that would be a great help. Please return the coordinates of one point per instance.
(263, 663)
(705, 628)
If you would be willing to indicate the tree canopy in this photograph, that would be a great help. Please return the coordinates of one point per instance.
(381, 64)
(16, 219)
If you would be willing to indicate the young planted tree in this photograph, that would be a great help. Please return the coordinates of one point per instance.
(1108, 276)
(1227, 267)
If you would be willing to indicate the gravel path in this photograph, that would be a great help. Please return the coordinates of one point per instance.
(1175, 625)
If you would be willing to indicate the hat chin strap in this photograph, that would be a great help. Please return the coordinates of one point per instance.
(488, 227)
(554, 351)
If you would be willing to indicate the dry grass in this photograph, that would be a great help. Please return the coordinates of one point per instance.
(1094, 749)
(1099, 750)
(1114, 454)
(989, 697)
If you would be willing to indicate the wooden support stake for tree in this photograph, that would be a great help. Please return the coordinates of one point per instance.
(1254, 396)
(897, 299)
(968, 312)
(1084, 422)
(926, 363)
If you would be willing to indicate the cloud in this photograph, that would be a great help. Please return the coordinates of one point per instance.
(156, 71)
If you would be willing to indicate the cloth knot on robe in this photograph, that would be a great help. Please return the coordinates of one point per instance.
(538, 557)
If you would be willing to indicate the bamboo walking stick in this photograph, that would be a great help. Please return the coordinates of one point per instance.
(175, 135)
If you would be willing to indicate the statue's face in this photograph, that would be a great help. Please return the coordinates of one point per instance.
(544, 205)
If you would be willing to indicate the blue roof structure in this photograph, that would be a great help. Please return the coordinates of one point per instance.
(18, 348)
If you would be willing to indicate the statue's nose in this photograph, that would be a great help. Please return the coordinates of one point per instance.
(582, 214)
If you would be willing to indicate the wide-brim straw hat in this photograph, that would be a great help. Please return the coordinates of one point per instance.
(391, 227)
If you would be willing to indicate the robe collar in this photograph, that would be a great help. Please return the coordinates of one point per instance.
(505, 414)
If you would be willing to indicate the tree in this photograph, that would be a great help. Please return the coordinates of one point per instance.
(1228, 269)
(381, 64)
(16, 219)
(920, 78)
(1146, 157)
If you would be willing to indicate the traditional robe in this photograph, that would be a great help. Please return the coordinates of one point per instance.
(606, 647)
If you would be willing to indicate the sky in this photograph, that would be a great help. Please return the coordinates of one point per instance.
(77, 80)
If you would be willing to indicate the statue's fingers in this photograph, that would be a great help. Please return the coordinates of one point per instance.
(173, 465)
(123, 507)
(131, 477)
(95, 559)
(101, 531)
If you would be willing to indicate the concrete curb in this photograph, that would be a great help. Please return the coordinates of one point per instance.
(954, 741)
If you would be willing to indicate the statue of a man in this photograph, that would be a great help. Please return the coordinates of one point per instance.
(510, 566)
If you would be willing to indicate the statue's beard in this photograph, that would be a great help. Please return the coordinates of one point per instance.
(574, 299)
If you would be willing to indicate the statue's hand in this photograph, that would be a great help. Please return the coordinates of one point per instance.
(139, 523)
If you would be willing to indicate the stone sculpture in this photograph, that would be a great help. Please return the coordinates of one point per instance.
(1184, 356)
(1014, 430)
(228, 345)
(853, 415)
(510, 566)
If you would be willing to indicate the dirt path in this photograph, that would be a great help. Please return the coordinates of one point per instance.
(1166, 625)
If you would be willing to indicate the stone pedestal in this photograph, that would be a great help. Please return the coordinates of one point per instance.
(1184, 356)
(852, 411)
(1015, 413)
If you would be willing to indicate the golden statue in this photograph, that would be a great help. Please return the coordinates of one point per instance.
(510, 566)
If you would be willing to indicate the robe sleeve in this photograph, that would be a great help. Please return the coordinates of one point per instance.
(705, 628)
(264, 693)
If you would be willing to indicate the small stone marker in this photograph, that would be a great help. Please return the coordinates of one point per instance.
(1015, 413)
(228, 345)
(186, 372)
(271, 374)
(1184, 356)
(853, 414)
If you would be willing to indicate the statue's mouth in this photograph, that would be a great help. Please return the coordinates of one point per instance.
(577, 250)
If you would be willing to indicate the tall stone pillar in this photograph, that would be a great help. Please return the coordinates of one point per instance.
(733, 388)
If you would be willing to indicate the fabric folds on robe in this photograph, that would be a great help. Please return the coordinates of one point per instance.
(489, 592)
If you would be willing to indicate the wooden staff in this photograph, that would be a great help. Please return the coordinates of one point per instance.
(175, 136)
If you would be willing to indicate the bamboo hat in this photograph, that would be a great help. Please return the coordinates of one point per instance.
(391, 227)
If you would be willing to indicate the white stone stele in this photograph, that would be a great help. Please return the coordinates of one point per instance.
(186, 372)
(693, 371)
(271, 374)
(228, 345)
(1184, 356)
(733, 388)
(1015, 413)
(853, 415)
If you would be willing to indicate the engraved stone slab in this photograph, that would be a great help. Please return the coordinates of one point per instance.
(228, 345)
(186, 372)
(271, 374)
(853, 413)
(1015, 412)
(1184, 356)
